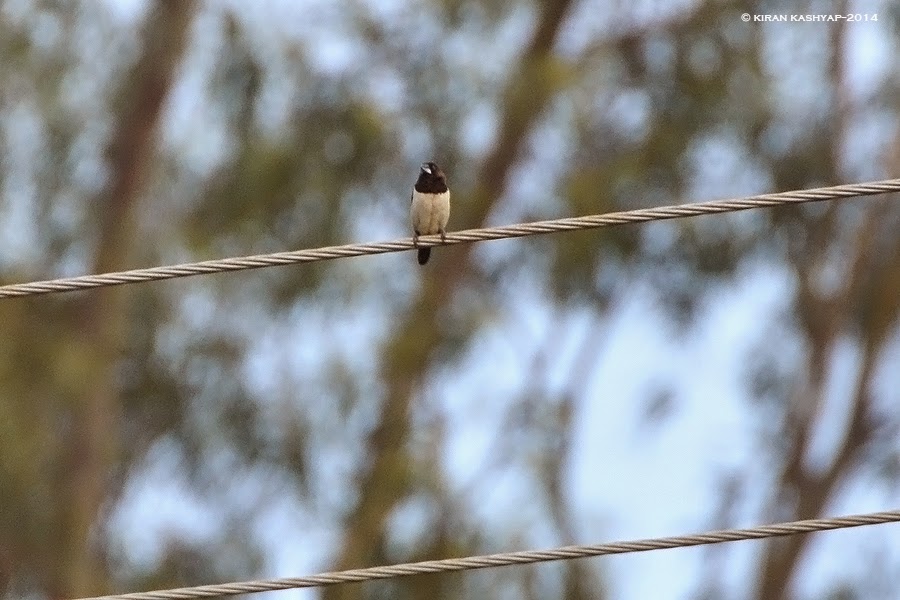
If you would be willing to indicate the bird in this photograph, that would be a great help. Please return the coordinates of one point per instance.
(429, 206)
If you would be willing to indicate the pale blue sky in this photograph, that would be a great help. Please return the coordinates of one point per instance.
(628, 479)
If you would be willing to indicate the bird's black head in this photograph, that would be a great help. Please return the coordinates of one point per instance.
(431, 179)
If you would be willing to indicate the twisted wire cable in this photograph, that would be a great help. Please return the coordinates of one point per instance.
(470, 235)
(510, 558)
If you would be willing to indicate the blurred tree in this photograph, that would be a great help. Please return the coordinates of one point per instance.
(77, 445)
(194, 431)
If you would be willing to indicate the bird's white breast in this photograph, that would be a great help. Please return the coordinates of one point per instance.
(430, 212)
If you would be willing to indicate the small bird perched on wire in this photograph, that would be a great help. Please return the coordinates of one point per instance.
(430, 206)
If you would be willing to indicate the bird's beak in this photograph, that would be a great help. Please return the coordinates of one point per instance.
(427, 169)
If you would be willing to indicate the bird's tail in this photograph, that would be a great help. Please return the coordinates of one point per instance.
(424, 253)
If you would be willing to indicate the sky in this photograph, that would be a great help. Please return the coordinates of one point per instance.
(665, 476)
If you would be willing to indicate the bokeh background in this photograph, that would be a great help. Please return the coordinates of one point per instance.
(574, 388)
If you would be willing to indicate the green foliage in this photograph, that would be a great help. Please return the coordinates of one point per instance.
(332, 393)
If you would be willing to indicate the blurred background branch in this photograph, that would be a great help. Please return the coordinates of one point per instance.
(634, 382)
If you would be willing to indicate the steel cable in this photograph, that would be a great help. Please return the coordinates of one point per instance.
(510, 558)
(470, 235)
